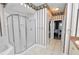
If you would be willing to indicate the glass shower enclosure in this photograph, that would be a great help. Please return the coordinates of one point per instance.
(17, 32)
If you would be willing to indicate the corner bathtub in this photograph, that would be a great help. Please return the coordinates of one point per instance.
(7, 50)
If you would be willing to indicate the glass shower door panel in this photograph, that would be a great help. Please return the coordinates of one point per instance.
(10, 30)
(23, 33)
(16, 34)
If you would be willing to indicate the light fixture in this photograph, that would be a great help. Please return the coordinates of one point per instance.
(21, 3)
(57, 9)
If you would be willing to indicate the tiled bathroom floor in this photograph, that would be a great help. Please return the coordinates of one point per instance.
(53, 48)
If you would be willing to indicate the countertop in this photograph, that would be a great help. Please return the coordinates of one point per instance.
(73, 39)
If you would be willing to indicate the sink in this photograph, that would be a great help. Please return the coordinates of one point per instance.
(77, 42)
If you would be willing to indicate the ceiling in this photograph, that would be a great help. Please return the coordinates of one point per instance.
(17, 7)
(54, 8)
(53, 5)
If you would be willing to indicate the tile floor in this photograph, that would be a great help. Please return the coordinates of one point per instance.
(53, 48)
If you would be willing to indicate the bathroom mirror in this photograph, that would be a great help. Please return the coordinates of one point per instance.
(0, 28)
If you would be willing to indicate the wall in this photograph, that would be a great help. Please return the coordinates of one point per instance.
(3, 38)
(31, 27)
(6, 14)
(42, 27)
(68, 25)
(74, 19)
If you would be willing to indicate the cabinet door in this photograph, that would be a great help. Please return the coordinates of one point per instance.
(23, 33)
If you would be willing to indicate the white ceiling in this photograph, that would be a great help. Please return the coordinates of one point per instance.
(17, 7)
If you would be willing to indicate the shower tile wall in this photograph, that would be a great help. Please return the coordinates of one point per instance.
(31, 31)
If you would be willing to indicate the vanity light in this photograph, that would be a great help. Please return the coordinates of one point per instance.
(57, 9)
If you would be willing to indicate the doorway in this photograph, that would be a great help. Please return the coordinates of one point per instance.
(57, 29)
(55, 36)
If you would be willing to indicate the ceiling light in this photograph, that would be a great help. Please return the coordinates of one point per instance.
(21, 3)
(57, 9)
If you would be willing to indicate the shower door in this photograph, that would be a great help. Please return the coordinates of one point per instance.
(17, 32)
(10, 30)
(23, 33)
(17, 36)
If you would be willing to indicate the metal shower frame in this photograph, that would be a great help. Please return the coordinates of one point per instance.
(19, 30)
